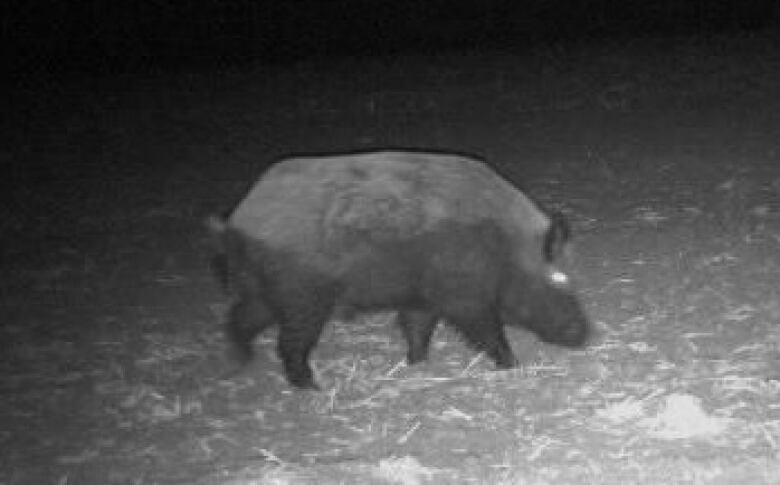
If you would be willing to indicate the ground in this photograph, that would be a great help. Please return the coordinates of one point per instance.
(664, 152)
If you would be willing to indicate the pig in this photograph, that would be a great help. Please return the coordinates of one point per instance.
(433, 236)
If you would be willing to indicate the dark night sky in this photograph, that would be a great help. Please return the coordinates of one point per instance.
(100, 35)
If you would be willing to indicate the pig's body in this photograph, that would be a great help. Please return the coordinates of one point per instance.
(434, 236)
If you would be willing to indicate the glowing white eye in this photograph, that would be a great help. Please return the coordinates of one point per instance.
(559, 278)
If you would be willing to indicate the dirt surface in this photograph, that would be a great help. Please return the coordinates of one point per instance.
(663, 152)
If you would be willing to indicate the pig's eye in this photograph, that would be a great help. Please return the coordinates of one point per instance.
(558, 278)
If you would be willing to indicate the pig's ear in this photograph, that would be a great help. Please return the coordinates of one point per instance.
(557, 237)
